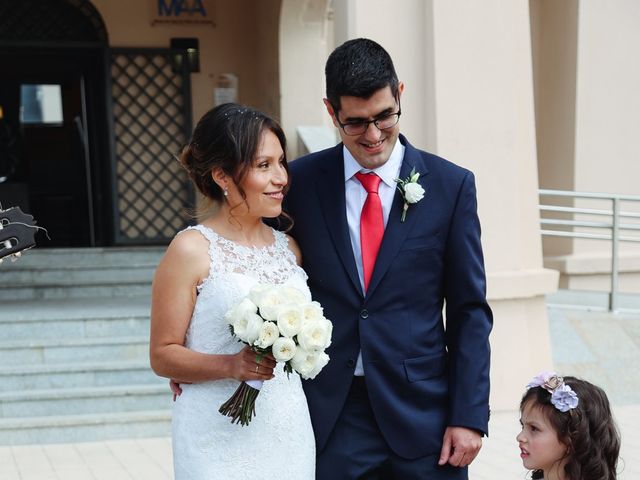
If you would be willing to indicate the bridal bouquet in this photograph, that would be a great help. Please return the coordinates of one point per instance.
(283, 322)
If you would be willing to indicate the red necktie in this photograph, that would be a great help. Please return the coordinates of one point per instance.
(371, 225)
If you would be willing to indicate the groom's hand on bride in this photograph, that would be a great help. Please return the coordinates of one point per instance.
(246, 365)
(174, 385)
(460, 446)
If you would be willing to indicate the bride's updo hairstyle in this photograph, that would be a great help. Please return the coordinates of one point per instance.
(226, 137)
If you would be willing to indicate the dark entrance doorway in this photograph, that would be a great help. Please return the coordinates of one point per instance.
(43, 99)
(88, 134)
(54, 132)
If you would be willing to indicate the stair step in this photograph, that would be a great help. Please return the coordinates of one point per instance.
(62, 401)
(74, 330)
(75, 318)
(64, 350)
(79, 327)
(123, 288)
(91, 257)
(75, 275)
(85, 427)
(85, 374)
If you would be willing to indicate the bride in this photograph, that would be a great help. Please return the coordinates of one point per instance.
(236, 160)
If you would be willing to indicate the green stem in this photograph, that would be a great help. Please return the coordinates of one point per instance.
(404, 212)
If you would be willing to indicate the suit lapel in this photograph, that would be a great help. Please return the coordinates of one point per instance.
(396, 231)
(331, 193)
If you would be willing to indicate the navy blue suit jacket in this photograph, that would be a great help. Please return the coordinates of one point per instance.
(421, 374)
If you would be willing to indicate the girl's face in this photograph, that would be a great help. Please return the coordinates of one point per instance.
(540, 448)
(265, 180)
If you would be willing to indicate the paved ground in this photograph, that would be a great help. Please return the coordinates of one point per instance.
(150, 459)
(599, 346)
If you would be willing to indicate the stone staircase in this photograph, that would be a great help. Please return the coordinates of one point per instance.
(74, 364)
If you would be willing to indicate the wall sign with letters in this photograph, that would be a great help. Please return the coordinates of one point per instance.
(182, 12)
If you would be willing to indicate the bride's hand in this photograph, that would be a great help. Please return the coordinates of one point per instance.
(245, 367)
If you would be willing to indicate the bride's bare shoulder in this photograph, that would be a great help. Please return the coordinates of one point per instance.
(188, 252)
(189, 243)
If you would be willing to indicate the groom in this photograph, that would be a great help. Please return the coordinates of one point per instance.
(405, 394)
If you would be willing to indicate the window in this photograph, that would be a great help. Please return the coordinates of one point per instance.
(41, 104)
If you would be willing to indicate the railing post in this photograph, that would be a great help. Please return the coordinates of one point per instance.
(615, 234)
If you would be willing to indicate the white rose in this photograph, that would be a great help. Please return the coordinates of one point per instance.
(321, 361)
(308, 364)
(232, 315)
(247, 328)
(283, 349)
(293, 295)
(312, 311)
(243, 308)
(290, 318)
(304, 362)
(255, 294)
(329, 332)
(269, 333)
(270, 302)
(315, 335)
(413, 192)
(239, 326)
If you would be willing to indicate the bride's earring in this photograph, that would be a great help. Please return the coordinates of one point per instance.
(226, 192)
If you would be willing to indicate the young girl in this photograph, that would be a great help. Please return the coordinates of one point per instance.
(568, 432)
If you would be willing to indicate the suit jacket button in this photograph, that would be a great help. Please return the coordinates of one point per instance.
(364, 313)
(351, 362)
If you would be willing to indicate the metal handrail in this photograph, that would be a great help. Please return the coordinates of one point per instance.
(612, 226)
(602, 196)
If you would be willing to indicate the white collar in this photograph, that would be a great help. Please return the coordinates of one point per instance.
(388, 171)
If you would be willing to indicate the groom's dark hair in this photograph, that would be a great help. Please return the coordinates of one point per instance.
(358, 68)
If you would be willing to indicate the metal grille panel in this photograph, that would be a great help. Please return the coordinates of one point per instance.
(51, 20)
(152, 120)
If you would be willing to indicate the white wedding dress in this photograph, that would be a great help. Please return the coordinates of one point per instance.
(279, 442)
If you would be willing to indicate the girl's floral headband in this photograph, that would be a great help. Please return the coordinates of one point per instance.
(562, 396)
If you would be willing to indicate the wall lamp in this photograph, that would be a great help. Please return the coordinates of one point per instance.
(185, 48)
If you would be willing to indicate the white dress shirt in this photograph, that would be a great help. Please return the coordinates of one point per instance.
(355, 196)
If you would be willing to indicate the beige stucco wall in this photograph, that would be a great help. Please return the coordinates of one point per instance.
(608, 96)
(588, 112)
(608, 105)
(244, 42)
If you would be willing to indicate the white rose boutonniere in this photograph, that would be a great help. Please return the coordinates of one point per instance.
(411, 191)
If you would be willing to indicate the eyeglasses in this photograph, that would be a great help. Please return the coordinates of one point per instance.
(383, 122)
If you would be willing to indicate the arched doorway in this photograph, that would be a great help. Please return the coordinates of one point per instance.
(55, 150)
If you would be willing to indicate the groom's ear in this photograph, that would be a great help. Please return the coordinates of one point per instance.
(400, 89)
(331, 111)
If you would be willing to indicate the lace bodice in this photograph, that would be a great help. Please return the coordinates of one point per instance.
(274, 263)
(233, 271)
(206, 445)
